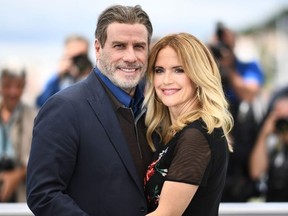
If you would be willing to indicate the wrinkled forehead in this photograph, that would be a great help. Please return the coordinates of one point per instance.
(76, 47)
(127, 32)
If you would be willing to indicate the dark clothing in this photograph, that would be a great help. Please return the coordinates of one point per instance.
(239, 186)
(52, 87)
(136, 139)
(277, 178)
(80, 161)
(194, 157)
(277, 182)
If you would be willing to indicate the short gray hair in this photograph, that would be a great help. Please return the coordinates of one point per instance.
(121, 14)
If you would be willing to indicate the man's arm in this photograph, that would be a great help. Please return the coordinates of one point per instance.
(52, 160)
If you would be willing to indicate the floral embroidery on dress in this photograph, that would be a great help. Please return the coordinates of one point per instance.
(156, 195)
(154, 167)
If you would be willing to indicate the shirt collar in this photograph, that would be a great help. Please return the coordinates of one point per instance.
(134, 102)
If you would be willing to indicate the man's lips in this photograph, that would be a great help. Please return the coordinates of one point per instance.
(129, 70)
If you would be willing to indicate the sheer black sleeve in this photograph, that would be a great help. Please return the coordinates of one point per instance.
(191, 158)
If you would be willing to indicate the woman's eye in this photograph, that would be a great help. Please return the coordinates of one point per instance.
(179, 70)
(158, 70)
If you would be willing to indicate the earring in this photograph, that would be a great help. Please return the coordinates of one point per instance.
(198, 92)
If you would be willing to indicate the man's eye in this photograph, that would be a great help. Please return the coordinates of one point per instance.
(119, 46)
(139, 47)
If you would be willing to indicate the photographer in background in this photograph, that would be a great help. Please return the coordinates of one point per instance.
(74, 66)
(16, 123)
(80, 67)
(269, 158)
(242, 83)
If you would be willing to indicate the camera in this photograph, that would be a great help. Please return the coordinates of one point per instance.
(6, 164)
(80, 65)
(218, 51)
(282, 125)
(82, 62)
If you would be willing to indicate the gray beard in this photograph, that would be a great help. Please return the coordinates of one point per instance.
(127, 85)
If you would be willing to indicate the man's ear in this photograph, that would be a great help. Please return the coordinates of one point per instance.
(97, 47)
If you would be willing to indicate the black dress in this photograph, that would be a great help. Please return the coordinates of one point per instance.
(194, 157)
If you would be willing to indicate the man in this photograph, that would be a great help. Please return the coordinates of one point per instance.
(89, 152)
(16, 124)
(75, 46)
(242, 82)
(269, 157)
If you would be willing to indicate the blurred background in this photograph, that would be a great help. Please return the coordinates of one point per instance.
(32, 32)
(33, 35)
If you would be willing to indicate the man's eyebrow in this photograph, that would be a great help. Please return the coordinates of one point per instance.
(140, 43)
(118, 42)
(134, 43)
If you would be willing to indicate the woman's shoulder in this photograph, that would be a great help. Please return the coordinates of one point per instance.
(198, 124)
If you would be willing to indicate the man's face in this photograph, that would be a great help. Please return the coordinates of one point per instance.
(11, 90)
(75, 47)
(123, 58)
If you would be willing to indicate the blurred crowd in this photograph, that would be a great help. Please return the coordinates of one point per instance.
(255, 165)
(258, 165)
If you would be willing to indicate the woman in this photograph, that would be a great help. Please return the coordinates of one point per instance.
(186, 107)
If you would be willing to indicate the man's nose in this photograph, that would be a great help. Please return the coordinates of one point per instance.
(130, 55)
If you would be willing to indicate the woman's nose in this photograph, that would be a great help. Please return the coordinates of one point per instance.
(167, 79)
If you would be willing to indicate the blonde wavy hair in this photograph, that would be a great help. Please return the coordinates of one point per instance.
(200, 66)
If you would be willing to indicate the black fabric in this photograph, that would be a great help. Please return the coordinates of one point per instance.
(239, 186)
(192, 144)
(140, 150)
(195, 157)
(134, 133)
(277, 183)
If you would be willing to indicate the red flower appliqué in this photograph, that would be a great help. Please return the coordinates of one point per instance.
(151, 168)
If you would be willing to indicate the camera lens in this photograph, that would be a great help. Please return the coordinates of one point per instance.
(282, 125)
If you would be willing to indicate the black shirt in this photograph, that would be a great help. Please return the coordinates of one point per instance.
(194, 157)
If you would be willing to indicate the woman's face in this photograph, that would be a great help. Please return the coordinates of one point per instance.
(173, 87)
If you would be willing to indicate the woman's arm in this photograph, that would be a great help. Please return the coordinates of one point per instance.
(174, 199)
